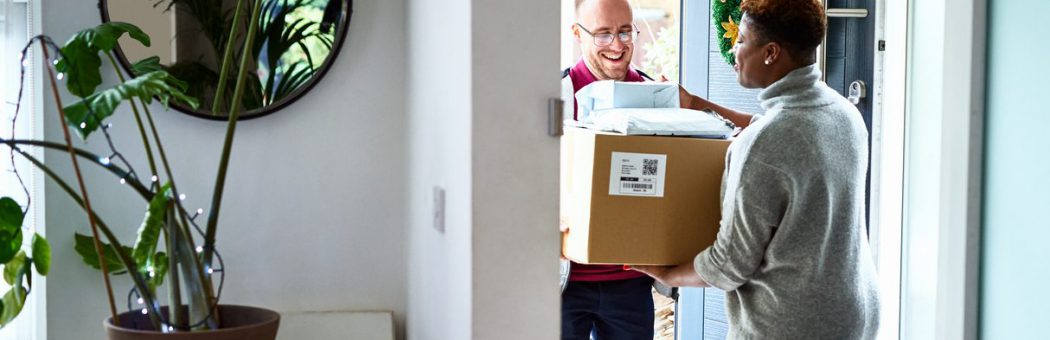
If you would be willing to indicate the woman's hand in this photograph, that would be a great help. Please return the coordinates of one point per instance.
(681, 275)
(687, 100)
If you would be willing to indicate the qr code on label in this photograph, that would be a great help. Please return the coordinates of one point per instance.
(649, 166)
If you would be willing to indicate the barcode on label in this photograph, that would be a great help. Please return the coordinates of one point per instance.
(650, 166)
(642, 186)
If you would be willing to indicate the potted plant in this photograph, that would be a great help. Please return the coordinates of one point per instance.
(166, 251)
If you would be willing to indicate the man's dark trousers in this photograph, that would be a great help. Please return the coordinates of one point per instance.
(613, 310)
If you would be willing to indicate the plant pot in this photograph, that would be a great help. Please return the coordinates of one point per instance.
(238, 323)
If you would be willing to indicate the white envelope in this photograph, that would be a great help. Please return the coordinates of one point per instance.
(609, 94)
(662, 121)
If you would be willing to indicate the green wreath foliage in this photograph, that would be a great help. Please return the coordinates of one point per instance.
(725, 15)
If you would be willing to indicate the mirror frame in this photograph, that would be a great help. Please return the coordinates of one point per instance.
(341, 34)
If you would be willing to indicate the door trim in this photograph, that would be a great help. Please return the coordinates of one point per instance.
(694, 72)
(939, 292)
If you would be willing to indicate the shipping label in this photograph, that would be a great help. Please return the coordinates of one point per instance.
(637, 174)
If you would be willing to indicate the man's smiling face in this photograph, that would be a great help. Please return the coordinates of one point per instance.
(605, 17)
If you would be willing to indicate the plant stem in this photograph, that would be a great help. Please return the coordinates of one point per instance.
(112, 168)
(205, 284)
(224, 161)
(174, 291)
(83, 190)
(227, 57)
(202, 307)
(138, 118)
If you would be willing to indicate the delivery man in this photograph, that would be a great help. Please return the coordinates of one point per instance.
(604, 300)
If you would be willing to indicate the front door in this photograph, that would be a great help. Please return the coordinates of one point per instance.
(848, 61)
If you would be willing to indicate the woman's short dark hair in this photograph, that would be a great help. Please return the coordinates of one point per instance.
(798, 25)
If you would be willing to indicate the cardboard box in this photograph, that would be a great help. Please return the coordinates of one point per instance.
(639, 199)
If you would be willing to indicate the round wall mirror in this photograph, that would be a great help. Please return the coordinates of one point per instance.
(296, 42)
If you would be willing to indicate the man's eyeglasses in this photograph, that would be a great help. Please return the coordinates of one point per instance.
(606, 39)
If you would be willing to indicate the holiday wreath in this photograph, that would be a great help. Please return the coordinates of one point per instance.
(726, 15)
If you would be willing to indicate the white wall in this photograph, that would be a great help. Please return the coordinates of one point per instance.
(313, 215)
(479, 75)
(439, 141)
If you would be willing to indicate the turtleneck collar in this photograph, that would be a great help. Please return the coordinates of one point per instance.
(801, 87)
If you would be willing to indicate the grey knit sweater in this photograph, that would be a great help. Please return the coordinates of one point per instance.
(792, 253)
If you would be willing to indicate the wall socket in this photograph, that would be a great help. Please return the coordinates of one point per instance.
(439, 209)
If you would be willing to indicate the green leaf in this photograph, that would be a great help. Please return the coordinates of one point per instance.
(104, 37)
(41, 254)
(11, 218)
(84, 245)
(9, 245)
(15, 268)
(13, 301)
(159, 84)
(159, 262)
(147, 65)
(81, 64)
(11, 215)
(80, 56)
(149, 230)
(14, 271)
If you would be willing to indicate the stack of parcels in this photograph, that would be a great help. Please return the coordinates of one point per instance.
(638, 108)
(633, 189)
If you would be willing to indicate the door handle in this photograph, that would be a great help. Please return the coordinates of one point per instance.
(555, 115)
(857, 91)
(846, 12)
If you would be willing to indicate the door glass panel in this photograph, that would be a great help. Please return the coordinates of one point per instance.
(657, 48)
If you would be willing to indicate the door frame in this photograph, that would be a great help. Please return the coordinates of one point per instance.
(693, 72)
(944, 135)
(887, 158)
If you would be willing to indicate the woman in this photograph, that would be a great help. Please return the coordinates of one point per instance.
(792, 253)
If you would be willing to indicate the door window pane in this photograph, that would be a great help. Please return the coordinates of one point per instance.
(656, 50)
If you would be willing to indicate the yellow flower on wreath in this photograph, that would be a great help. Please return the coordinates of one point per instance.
(731, 31)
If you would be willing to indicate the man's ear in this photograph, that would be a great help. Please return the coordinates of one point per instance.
(576, 32)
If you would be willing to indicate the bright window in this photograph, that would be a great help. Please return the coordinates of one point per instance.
(656, 50)
(16, 27)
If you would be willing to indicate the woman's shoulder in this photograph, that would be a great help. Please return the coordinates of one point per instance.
(826, 107)
(795, 134)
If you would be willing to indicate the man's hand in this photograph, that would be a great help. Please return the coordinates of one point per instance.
(681, 275)
(563, 228)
